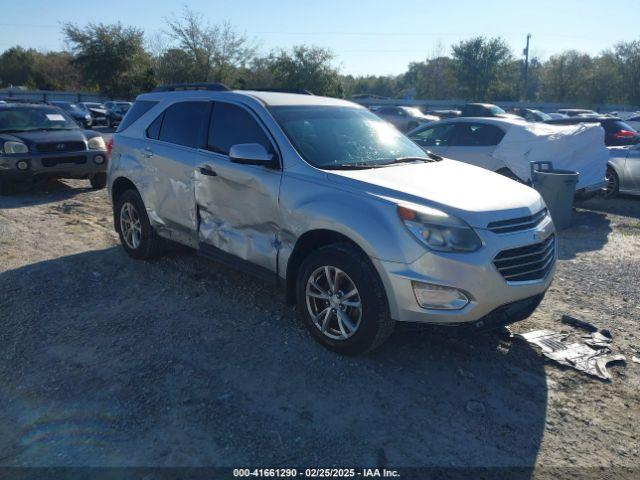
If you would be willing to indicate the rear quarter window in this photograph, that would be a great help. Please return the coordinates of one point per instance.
(139, 109)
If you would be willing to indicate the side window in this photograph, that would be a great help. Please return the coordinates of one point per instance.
(437, 136)
(476, 135)
(135, 112)
(183, 122)
(231, 125)
(153, 130)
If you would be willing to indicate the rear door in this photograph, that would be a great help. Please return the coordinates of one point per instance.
(474, 143)
(434, 138)
(175, 136)
(237, 204)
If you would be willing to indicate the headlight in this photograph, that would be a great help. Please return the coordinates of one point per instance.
(439, 231)
(15, 147)
(97, 143)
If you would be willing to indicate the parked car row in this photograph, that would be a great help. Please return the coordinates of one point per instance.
(617, 131)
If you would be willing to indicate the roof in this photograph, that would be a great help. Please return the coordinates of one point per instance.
(266, 98)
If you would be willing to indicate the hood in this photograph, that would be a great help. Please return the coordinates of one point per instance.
(509, 115)
(98, 111)
(48, 136)
(473, 194)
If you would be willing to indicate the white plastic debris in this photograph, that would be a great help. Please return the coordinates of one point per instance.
(580, 356)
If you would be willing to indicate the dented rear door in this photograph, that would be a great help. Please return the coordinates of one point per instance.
(237, 204)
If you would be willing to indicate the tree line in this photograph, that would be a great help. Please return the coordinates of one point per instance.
(120, 62)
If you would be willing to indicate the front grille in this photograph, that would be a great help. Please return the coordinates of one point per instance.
(518, 224)
(532, 262)
(55, 147)
(52, 162)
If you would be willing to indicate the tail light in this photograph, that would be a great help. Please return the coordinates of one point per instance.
(624, 135)
(109, 146)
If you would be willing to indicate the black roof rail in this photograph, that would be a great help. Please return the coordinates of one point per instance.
(299, 91)
(177, 87)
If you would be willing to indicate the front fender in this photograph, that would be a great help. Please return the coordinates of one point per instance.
(371, 222)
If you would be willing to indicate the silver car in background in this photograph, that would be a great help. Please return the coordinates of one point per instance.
(623, 171)
(358, 225)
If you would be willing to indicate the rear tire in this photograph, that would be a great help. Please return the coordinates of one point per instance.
(613, 183)
(98, 181)
(360, 324)
(137, 236)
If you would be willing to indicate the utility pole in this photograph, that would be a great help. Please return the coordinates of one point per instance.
(526, 68)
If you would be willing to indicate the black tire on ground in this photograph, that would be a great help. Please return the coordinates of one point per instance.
(375, 325)
(98, 181)
(613, 183)
(6, 188)
(151, 244)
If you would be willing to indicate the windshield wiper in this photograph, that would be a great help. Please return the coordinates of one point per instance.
(350, 166)
(394, 161)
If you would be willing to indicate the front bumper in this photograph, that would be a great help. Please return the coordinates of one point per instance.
(472, 273)
(80, 164)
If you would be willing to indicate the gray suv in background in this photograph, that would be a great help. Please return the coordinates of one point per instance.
(358, 225)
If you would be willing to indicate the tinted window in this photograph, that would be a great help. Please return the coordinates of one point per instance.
(476, 135)
(182, 123)
(231, 125)
(437, 136)
(139, 108)
(153, 131)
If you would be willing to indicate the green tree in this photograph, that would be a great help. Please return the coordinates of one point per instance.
(218, 52)
(17, 67)
(628, 57)
(434, 79)
(480, 64)
(305, 67)
(564, 77)
(111, 58)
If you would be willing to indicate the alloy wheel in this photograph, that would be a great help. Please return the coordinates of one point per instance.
(130, 225)
(334, 303)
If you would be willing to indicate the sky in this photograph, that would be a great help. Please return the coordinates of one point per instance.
(368, 37)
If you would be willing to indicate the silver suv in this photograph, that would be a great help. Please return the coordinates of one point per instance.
(359, 226)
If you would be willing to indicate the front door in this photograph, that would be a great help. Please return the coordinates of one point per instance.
(237, 204)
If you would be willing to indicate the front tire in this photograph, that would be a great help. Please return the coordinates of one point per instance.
(613, 183)
(341, 300)
(137, 236)
(98, 181)
(6, 188)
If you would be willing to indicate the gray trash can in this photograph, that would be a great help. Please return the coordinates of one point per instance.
(557, 188)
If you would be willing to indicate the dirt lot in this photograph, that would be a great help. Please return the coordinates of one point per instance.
(180, 361)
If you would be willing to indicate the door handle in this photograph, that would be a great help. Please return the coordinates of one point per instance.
(208, 171)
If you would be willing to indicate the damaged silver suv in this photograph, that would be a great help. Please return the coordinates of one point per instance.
(359, 226)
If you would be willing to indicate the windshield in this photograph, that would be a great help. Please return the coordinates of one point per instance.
(414, 112)
(496, 110)
(541, 115)
(341, 137)
(24, 119)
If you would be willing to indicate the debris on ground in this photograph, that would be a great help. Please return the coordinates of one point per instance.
(575, 322)
(580, 356)
(635, 359)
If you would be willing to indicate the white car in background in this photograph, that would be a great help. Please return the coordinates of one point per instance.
(507, 146)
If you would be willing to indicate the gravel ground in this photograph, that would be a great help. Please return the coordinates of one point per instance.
(180, 361)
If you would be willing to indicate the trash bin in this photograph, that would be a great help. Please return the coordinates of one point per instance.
(557, 188)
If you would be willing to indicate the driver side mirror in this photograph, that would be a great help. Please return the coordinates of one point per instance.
(251, 154)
